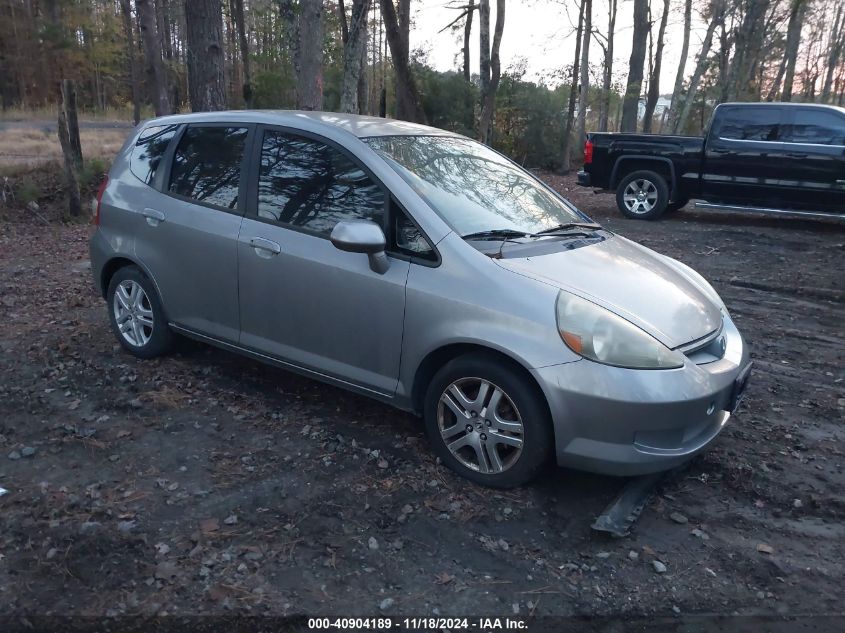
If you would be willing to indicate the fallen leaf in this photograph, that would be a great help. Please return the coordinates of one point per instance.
(764, 548)
(444, 578)
(209, 525)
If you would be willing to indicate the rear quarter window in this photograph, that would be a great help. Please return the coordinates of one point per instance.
(149, 150)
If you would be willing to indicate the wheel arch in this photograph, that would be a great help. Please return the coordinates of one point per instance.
(122, 261)
(437, 358)
(659, 164)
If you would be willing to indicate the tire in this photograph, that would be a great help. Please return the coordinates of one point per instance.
(652, 193)
(147, 334)
(677, 205)
(519, 455)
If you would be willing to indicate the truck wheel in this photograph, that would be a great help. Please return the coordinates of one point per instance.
(642, 195)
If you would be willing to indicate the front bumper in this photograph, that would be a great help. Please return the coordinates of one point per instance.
(630, 422)
(583, 178)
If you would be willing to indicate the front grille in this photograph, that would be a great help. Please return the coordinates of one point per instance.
(707, 349)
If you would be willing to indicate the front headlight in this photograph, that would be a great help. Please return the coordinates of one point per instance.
(600, 335)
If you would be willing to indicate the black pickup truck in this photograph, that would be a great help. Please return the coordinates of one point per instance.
(770, 157)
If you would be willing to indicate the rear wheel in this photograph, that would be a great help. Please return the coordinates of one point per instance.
(136, 315)
(488, 422)
(642, 195)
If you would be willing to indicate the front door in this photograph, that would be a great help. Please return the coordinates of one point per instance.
(301, 299)
(189, 236)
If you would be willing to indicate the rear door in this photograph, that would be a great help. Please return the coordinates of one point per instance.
(743, 158)
(189, 236)
(815, 138)
(303, 300)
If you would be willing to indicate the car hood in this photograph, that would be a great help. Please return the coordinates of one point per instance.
(644, 287)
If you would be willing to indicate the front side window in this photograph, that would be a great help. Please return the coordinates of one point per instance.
(207, 165)
(471, 187)
(311, 185)
(149, 150)
(750, 124)
(818, 127)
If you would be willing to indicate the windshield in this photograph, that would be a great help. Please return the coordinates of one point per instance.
(473, 188)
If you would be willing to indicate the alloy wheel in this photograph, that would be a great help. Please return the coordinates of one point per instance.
(133, 313)
(480, 425)
(640, 196)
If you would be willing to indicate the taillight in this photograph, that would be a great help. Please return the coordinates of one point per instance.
(100, 192)
(588, 152)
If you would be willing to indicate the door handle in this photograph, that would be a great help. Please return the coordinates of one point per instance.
(721, 151)
(796, 155)
(154, 216)
(268, 246)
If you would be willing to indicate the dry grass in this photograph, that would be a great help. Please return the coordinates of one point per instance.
(34, 146)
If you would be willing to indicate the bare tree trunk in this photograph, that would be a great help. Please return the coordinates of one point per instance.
(129, 34)
(156, 78)
(701, 63)
(793, 36)
(483, 49)
(631, 101)
(237, 7)
(397, 30)
(71, 149)
(607, 77)
(835, 45)
(488, 97)
(206, 82)
(679, 77)
(566, 153)
(467, 34)
(581, 125)
(309, 66)
(352, 55)
(654, 79)
(363, 83)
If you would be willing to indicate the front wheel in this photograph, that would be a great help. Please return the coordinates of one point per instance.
(488, 422)
(642, 195)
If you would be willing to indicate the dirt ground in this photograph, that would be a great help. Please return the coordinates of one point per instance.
(204, 483)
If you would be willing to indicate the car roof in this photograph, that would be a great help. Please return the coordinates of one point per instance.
(355, 124)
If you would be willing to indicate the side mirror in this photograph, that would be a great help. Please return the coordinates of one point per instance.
(362, 236)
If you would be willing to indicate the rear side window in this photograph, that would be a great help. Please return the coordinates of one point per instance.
(207, 165)
(305, 183)
(750, 124)
(817, 127)
(149, 150)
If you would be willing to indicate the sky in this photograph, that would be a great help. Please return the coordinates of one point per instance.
(541, 32)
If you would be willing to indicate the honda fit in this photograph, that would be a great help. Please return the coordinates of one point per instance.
(423, 269)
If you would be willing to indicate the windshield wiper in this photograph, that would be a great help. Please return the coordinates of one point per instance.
(560, 228)
(495, 233)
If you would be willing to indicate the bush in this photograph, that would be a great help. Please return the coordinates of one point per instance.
(28, 191)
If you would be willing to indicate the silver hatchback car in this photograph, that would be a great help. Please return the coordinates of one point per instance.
(424, 269)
